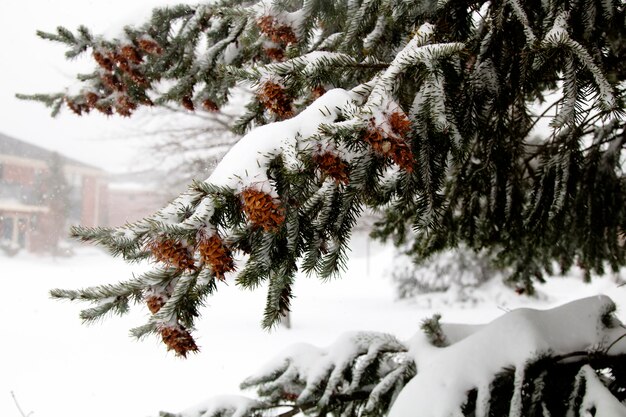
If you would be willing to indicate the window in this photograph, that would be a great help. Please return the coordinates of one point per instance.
(75, 179)
(6, 223)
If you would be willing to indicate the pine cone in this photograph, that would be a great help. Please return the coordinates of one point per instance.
(92, 99)
(262, 210)
(155, 302)
(138, 78)
(402, 155)
(178, 339)
(187, 103)
(281, 34)
(332, 166)
(210, 105)
(112, 82)
(273, 97)
(318, 91)
(275, 54)
(172, 253)
(122, 63)
(150, 46)
(76, 107)
(104, 108)
(392, 144)
(215, 253)
(125, 106)
(130, 53)
(146, 101)
(399, 123)
(103, 61)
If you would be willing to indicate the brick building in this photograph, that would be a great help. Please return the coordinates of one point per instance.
(25, 218)
(132, 197)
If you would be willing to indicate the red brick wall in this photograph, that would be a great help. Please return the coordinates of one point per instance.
(103, 218)
(131, 205)
(90, 203)
(42, 236)
(18, 174)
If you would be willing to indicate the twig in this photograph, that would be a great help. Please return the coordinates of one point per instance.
(560, 358)
(610, 139)
(502, 308)
(541, 116)
(294, 411)
(17, 404)
(614, 342)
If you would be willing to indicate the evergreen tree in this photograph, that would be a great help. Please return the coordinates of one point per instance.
(493, 124)
(55, 195)
(458, 270)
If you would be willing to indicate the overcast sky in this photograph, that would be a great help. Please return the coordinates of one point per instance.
(29, 64)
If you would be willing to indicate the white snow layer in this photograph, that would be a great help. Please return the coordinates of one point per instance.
(445, 375)
(245, 164)
(598, 397)
(79, 365)
(416, 50)
(238, 405)
(300, 357)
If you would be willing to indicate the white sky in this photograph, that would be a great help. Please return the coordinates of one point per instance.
(32, 65)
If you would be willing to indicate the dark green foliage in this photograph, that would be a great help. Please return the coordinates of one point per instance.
(55, 195)
(550, 387)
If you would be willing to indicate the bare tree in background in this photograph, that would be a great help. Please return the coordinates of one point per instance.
(185, 145)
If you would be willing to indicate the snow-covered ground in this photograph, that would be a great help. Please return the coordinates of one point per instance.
(57, 367)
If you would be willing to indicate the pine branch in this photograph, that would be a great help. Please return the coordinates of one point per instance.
(418, 111)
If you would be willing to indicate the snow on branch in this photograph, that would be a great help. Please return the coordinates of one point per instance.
(558, 36)
(195, 235)
(362, 373)
(445, 376)
(223, 406)
(597, 399)
(417, 50)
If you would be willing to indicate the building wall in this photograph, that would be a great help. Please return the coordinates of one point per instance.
(18, 182)
(21, 207)
(19, 214)
(129, 205)
(103, 199)
(90, 201)
(18, 174)
(42, 235)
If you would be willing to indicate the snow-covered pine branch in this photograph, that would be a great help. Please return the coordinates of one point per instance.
(241, 206)
(563, 361)
(433, 115)
(436, 127)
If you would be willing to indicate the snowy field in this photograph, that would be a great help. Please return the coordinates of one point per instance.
(57, 367)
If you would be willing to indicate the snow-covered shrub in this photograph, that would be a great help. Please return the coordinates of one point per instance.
(455, 268)
(9, 248)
